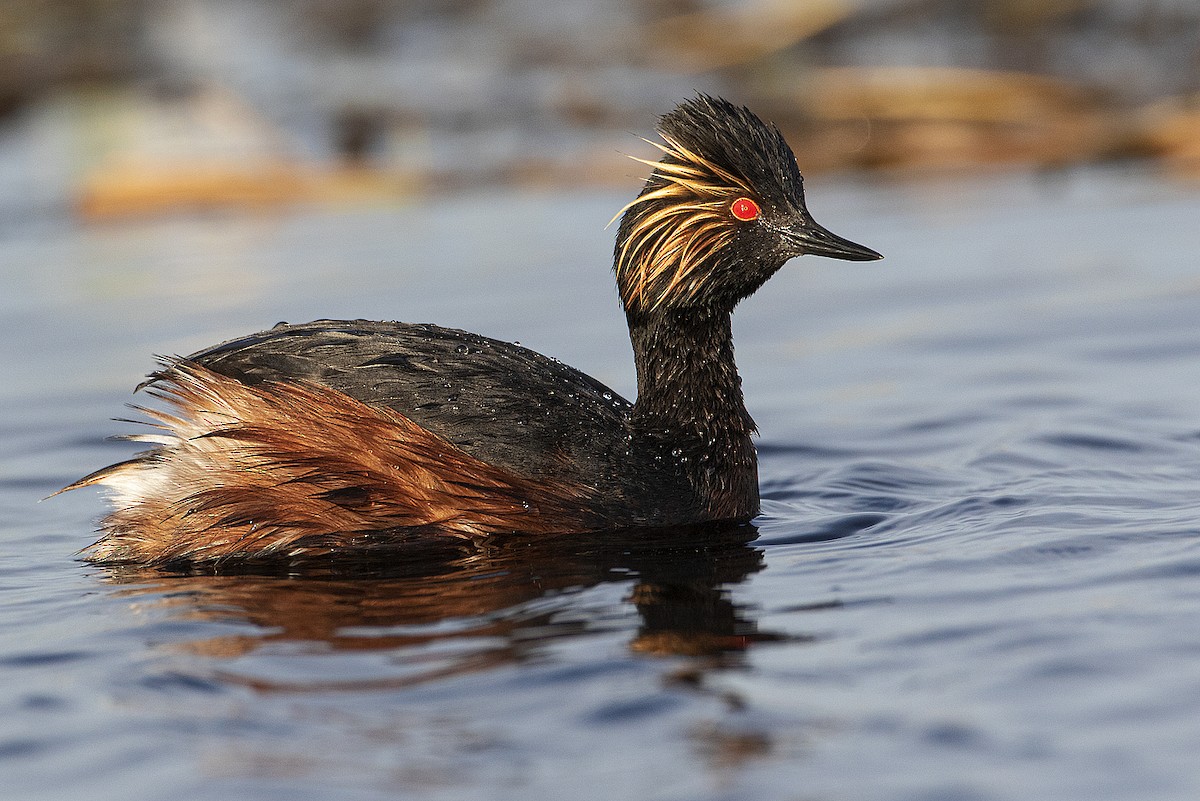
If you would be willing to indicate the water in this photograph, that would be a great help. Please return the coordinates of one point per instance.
(976, 576)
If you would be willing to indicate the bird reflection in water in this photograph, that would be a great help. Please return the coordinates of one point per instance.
(498, 604)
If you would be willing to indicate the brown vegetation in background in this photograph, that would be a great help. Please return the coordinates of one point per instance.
(984, 83)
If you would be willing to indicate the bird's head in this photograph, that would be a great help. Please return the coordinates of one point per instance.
(721, 213)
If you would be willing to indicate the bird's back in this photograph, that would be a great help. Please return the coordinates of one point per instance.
(501, 403)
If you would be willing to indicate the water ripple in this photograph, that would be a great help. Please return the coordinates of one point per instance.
(829, 530)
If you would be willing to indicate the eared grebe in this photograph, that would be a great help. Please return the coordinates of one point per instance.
(342, 435)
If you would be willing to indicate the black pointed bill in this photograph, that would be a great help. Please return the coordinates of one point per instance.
(810, 238)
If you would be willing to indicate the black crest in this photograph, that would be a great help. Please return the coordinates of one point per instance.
(735, 140)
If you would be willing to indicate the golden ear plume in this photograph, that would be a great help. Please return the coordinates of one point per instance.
(659, 255)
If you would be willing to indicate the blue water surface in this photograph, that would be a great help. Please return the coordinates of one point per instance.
(976, 575)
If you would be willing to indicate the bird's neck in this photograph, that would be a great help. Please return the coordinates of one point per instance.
(690, 403)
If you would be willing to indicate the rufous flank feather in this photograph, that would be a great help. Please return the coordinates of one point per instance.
(272, 469)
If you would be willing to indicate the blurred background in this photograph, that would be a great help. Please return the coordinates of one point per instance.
(117, 108)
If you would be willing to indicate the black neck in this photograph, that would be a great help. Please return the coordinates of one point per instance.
(690, 400)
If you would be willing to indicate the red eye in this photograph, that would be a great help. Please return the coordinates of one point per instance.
(744, 209)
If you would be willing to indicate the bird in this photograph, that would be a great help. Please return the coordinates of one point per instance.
(351, 436)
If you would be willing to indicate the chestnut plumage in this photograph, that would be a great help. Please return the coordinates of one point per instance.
(333, 436)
